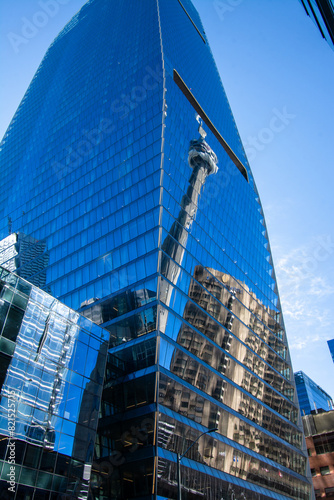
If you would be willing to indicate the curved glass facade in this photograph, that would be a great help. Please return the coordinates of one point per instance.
(128, 197)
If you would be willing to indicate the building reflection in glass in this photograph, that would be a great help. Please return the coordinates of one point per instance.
(53, 363)
(231, 371)
(228, 352)
(27, 257)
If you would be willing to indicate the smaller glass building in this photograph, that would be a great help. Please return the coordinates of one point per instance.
(52, 363)
(310, 396)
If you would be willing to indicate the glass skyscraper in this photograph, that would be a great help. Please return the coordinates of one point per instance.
(127, 195)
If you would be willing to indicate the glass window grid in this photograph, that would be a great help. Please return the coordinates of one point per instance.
(119, 279)
(235, 430)
(66, 37)
(204, 377)
(139, 231)
(222, 455)
(276, 427)
(62, 226)
(194, 337)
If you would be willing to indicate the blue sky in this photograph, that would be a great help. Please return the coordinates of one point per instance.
(278, 74)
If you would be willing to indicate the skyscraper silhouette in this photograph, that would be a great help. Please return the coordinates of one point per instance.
(124, 160)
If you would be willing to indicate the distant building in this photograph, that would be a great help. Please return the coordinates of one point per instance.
(322, 14)
(331, 348)
(311, 397)
(319, 433)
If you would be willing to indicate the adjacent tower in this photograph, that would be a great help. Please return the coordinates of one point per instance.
(322, 14)
(125, 177)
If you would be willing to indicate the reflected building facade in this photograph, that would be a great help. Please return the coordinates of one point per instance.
(26, 256)
(133, 175)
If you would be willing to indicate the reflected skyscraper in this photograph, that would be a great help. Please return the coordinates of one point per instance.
(125, 161)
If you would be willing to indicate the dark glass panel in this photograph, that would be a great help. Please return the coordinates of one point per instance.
(4, 363)
(118, 397)
(32, 456)
(13, 323)
(133, 326)
(131, 359)
(48, 461)
(4, 306)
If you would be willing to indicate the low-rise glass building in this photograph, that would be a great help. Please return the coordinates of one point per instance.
(52, 368)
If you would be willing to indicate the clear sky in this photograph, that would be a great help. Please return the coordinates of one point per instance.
(278, 74)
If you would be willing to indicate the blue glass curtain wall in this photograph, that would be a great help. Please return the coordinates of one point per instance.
(129, 198)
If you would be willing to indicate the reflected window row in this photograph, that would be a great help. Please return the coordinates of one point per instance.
(190, 261)
(192, 371)
(177, 437)
(220, 360)
(207, 286)
(201, 484)
(191, 403)
(223, 327)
